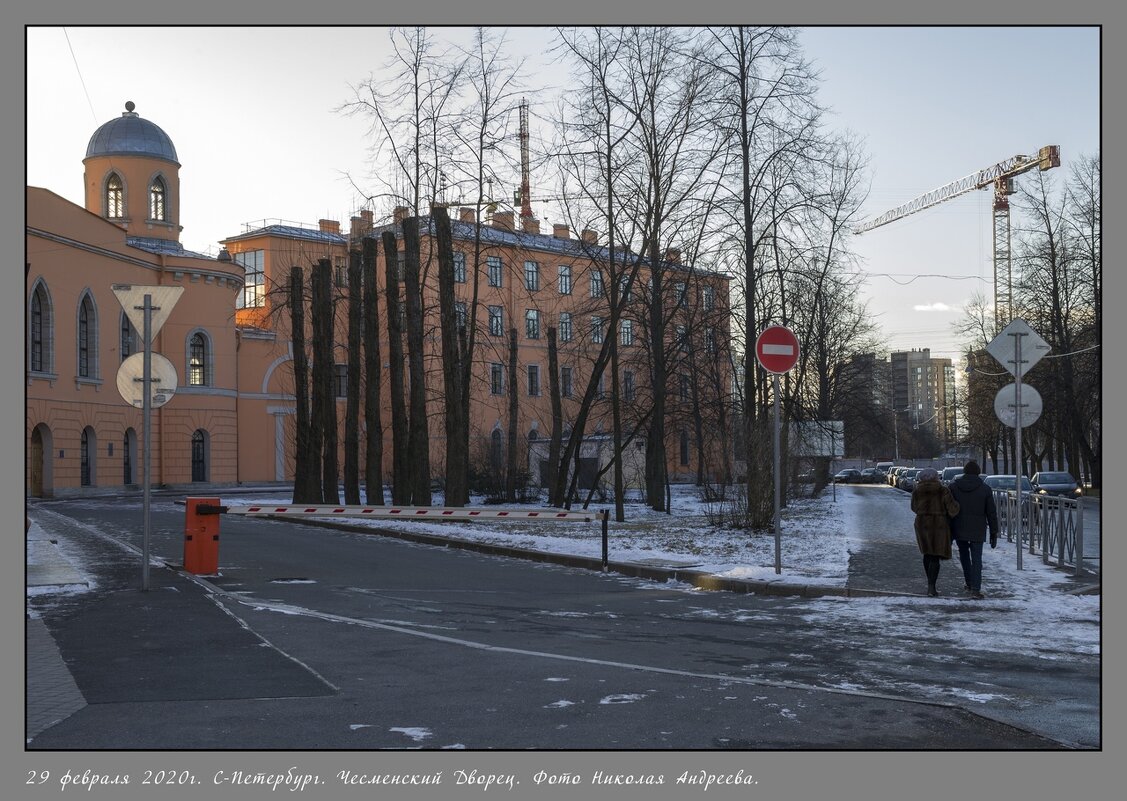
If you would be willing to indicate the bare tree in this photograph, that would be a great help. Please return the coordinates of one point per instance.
(453, 370)
(373, 453)
(352, 392)
(400, 456)
(307, 467)
(418, 438)
(324, 365)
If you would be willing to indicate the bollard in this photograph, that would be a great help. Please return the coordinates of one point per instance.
(201, 537)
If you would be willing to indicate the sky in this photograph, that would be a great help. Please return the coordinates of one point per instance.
(255, 116)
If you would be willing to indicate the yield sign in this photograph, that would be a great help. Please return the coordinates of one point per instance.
(1004, 347)
(777, 349)
(132, 299)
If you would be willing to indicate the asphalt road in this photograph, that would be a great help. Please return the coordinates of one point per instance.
(373, 643)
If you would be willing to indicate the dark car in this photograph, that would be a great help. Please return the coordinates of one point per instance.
(1004, 482)
(870, 475)
(949, 474)
(907, 479)
(1055, 483)
(848, 476)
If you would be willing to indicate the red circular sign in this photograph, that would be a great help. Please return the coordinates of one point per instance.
(777, 349)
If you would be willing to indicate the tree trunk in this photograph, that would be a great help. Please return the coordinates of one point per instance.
(457, 456)
(418, 438)
(307, 480)
(323, 370)
(554, 442)
(373, 453)
(352, 402)
(511, 456)
(400, 457)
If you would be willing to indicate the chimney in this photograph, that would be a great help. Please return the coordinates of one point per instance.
(561, 231)
(530, 225)
(590, 237)
(329, 226)
(503, 220)
(466, 214)
(399, 214)
(673, 255)
(361, 225)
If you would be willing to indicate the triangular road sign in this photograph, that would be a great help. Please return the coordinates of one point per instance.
(132, 299)
(1003, 347)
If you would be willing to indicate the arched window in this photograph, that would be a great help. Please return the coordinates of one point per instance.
(156, 199)
(130, 339)
(128, 457)
(40, 331)
(199, 455)
(197, 360)
(115, 197)
(87, 453)
(87, 338)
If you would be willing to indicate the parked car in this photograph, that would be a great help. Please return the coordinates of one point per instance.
(870, 475)
(949, 474)
(1004, 482)
(848, 476)
(894, 473)
(1055, 483)
(907, 479)
(1000, 483)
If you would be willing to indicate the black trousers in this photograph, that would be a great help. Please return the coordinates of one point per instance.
(931, 567)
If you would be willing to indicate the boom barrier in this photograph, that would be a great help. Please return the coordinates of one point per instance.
(201, 521)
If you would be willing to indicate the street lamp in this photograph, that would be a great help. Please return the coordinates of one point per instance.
(896, 429)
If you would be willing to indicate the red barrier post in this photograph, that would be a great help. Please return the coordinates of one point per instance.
(201, 537)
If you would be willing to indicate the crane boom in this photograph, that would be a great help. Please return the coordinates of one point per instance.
(1046, 158)
(1000, 176)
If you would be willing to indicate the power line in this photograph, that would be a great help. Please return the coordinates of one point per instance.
(78, 69)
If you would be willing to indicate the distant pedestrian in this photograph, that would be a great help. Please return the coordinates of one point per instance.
(934, 508)
(977, 512)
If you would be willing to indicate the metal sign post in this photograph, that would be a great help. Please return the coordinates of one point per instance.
(147, 415)
(1007, 349)
(1017, 434)
(777, 350)
(137, 302)
(778, 482)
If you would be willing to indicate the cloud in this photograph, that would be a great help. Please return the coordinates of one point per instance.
(932, 307)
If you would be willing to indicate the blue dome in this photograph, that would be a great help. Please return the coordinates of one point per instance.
(129, 135)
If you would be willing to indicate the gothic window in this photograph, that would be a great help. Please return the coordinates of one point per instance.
(115, 197)
(157, 200)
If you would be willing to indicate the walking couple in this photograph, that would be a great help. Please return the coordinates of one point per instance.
(962, 511)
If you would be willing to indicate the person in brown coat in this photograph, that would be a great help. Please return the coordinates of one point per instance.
(934, 507)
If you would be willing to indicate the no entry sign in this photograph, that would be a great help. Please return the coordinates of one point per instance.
(777, 349)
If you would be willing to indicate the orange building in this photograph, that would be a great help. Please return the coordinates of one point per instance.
(231, 420)
(80, 432)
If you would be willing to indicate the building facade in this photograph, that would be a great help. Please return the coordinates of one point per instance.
(231, 419)
(81, 434)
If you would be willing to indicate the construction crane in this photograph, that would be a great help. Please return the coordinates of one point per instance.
(1000, 176)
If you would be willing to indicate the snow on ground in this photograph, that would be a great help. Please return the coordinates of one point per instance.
(813, 545)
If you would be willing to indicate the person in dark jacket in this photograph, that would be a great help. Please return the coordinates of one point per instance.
(977, 513)
(934, 508)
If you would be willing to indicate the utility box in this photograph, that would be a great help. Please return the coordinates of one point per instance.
(201, 537)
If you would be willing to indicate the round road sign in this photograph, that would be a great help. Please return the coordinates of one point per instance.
(777, 349)
(1005, 405)
(130, 381)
